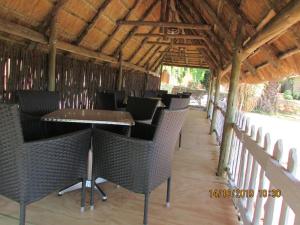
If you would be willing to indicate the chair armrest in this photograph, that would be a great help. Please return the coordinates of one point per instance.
(54, 163)
(122, 160)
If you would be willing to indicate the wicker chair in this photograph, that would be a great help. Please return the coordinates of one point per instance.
(141, 109)
(35, 104)
(138, 165)
(150, 94)
(166, 99)
(106, 100)
(179, 103)
(30, 171)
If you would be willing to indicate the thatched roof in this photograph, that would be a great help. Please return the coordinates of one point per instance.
(101, 29)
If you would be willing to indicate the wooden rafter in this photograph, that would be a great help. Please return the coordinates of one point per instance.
(166, 24)
(45, 25)
(92, 22)
(185, 65)
(141, 45)
(135, 28)
(53, 13)
(280, 23)
(117, 28)
(27, 33)
(172, 44)
(172, 36)
(211, 40)
(149, 59)
(204, 6)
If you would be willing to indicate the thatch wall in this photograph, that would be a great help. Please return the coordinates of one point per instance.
(77, 81)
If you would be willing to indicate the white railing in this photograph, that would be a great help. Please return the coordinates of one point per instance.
(264, 190)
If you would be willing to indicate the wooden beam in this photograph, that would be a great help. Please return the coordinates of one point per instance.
(45, 25)
(53, 13)
(174, 45)
(286, 18)
(211, 40)
(27, 33)
(165, 24)
(204, 6)
(152, 55)
(216, 102)
(52, 55)
(120, 75)
(172, 36)
(185, 65)
(141, 45)
(117, 28)
(250, 67)
(92, 22)
(231, 104)
(135, 28)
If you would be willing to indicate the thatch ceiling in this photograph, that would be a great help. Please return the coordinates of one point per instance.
(104, 28)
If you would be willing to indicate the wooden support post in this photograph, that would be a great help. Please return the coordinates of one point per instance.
(120, 76)
(210, 92)
(52, 55)
(231, 104)
(215, 103)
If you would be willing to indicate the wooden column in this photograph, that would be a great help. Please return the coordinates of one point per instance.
(160, 74)
(120, 76)
(52, 55)
(210, 92)
(215, 103)
(231, 105)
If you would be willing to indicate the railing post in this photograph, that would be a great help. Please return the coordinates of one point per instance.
(52, 55)
(231, 105)
(210, 93)
(215, 103)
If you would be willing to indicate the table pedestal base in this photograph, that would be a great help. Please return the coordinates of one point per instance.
(88, 185)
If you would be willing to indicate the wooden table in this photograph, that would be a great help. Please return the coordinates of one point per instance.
(91, 117)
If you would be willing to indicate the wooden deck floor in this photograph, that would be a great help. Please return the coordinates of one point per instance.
(193, 175)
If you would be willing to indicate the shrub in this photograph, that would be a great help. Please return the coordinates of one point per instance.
(296, 95)
(288, 95)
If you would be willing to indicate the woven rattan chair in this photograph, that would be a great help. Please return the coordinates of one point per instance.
(141, 109)
(150, 94)
(30, 171)
(179, 103)
(106, 101)
(33, 105)
(138, 165)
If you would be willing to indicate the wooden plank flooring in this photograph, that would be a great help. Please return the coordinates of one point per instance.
(193, 175)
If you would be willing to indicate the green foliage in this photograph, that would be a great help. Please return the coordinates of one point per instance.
(205, 81)
(296, 95)
(288, 95)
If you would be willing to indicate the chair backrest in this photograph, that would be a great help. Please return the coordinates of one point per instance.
(105, 100)
(150, 93)
(166, 99)
(120, 96)
(11, 141)
(141, 108)
(137, 93)
(165, 137)
(38, 103)
(179, 103)
(161, 93)
(186, 94)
